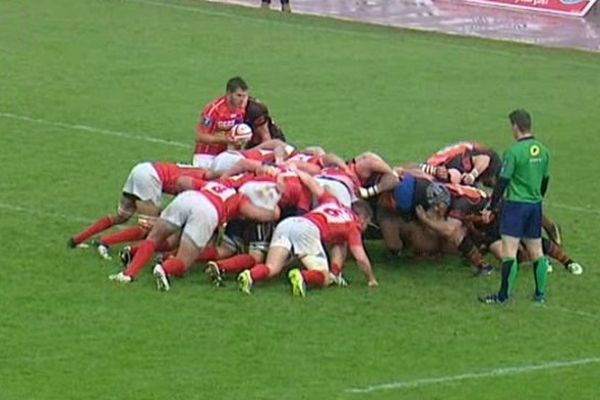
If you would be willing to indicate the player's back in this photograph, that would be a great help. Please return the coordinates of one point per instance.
(526, 165)
(169, 173)
(335, 222)
(225, 199)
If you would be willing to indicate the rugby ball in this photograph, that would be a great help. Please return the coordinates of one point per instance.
(240, 133)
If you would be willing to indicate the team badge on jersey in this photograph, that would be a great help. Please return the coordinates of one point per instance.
(206, 121)
(534, 150)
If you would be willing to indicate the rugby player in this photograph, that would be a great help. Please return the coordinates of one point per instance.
(217, 119)
(331, 223)
(196, 214)
(525, 175)
(142, 193)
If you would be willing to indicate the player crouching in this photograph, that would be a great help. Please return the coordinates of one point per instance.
(330, 223)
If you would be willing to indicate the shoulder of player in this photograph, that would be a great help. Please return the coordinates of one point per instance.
(215, 106)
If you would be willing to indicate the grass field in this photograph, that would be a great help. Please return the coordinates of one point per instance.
(86, 87)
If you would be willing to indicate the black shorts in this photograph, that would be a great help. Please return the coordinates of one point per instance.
(246, 236)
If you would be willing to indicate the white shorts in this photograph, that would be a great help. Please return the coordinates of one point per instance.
(203, 160)
(193, 212)
(261, 194)
(144, 183)
(338, 190)
(224, 161)
(301, 237)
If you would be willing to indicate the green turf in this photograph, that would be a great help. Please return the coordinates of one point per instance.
(147, 70)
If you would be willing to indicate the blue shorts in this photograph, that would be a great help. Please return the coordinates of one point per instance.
(521, 220)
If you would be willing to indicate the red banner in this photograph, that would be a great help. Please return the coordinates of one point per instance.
(576, 8)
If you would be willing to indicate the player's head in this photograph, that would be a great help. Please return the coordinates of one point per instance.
(489, 177)
(364, 212)
(520, 121)
(438, 198)
(236, 92)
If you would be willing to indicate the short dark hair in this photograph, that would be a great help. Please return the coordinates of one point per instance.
(521, 119)
(362, 208)
(236, 83)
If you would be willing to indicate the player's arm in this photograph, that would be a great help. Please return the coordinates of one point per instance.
(387, 182)
(244, 165)
(444, 227)
(263, 133)
(206, 134)
(508, 168)
(480, 164)
(189, 183)
(334, 160)
(309, 168)
(362, 260)
(259, 214)
(311, 184)
(545, 181)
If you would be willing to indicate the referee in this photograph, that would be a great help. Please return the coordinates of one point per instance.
(524, 177)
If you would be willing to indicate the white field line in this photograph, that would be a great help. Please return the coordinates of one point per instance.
(133, 136)
(87, 128)
(573, 208)
(375, 35)
(41, 213)
(516, 370)
(576, 312)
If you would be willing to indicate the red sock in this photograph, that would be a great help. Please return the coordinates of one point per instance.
(208, 254)
(143, 254)
(101, 225)
(336, 269)
(174, 267)
(236, 264)
(313, 278)
(126, 235)
(259, 272)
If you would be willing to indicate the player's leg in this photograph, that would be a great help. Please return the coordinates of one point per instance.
(232, 243)
(201, 222)
(553, 230)
(147, 211)
(307, 245)
(390, 230)
(144, 187)
(315, 274)
(145, 250)
(554, 251)
(127, 208)
(533, 242)
(259, 236)
(285, 6)
(277, 256)
(176, 266)
(512, 228)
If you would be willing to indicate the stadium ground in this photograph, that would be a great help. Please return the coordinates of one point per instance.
(89, 88)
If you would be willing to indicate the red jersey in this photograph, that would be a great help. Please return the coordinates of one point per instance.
(337, 224)
(226, 200)
(217, 117)
(170, 173)
(458, 156)
(351, 182)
